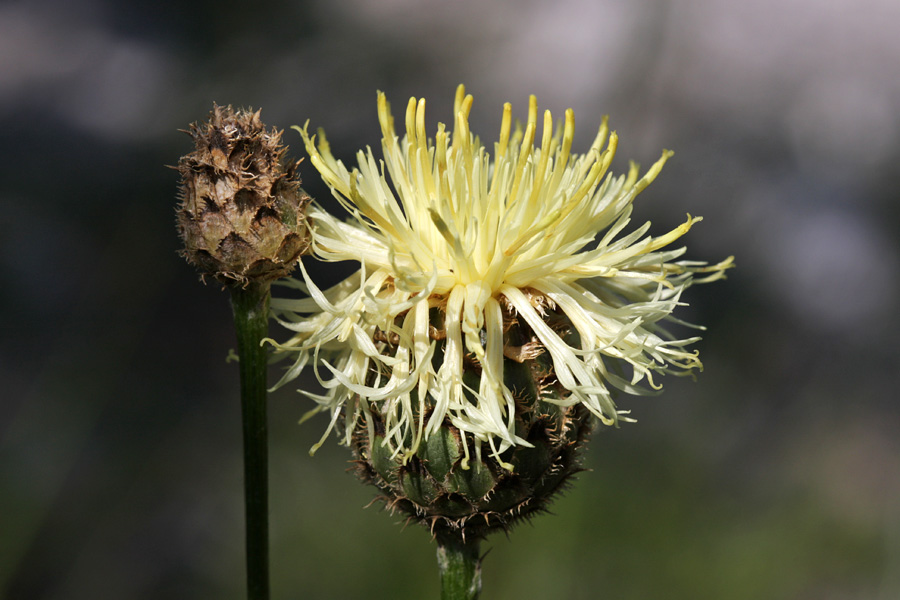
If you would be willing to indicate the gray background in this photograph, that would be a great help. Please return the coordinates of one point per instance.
(776, 475)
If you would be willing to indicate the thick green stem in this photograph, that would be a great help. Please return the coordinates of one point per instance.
(460, 567)
(251, 319)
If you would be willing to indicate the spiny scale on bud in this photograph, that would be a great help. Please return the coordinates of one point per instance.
(450, 487)
(242, 215)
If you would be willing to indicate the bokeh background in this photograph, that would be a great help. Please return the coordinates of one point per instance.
(776, 475)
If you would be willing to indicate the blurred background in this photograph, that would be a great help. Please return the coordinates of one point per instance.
(776, 475)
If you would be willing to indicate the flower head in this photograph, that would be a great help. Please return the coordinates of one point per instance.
(474, 263)
(242, 213)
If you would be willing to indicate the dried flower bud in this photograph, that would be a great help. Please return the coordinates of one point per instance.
(242, 215)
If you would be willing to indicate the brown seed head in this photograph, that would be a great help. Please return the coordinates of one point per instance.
(242, 215)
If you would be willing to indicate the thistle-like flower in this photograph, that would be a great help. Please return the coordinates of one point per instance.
(498, 307)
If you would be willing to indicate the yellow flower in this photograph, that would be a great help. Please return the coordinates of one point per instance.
(454, 243)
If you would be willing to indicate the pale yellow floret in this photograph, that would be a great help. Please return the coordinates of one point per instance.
(439, 223)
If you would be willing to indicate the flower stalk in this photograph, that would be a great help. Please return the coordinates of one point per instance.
(250, 306)
(460, 566)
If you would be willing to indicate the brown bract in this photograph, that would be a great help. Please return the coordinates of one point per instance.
(242, 215)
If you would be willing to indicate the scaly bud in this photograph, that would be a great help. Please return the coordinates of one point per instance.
(242, 215)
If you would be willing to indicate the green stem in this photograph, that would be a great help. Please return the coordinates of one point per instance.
(250, 306)
(460, 567)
